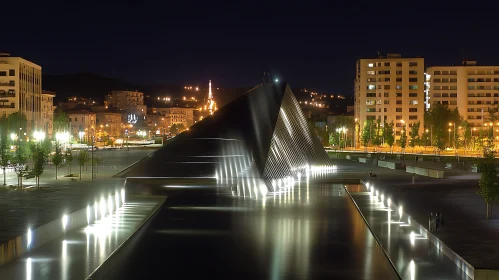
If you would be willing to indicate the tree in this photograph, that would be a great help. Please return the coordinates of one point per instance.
(61, 120)
(388, 134)
(466, 134)
(82, 158)
(366, 133)
(17, 123)
(438, 117)
(489, 183)
(21, 157)
(4, 154)
(57, 158)
(39, 157)
(403, 139)
(377, 136)
(177, 128)
(69, 159)
(414, 135)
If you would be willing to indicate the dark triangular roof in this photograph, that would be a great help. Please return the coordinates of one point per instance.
(263, 133)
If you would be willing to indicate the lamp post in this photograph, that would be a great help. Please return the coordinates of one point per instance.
(355, 135)
(127, 138)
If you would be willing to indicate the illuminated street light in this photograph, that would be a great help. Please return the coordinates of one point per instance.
(276, 80)
(81, 134)
(39, 135)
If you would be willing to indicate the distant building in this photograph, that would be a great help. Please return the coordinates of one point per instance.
(21, 89)
(390, 89)
(76, 102)
(110, 124)
(174, 115)
(47, 106)
(471, 88)
(123, 100)
(83, 122)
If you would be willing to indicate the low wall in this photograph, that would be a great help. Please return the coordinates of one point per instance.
(365, 160)
(433, 173)
(387, 164)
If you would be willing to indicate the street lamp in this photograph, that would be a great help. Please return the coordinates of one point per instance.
(39, 136)
(355, 135)
(454, 126)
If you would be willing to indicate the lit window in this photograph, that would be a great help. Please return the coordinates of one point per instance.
(370, 65)
(371, 87)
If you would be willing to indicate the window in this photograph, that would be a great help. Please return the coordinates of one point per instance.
(413, 102)
(445, 87)
(371, 94)
(385, 110)
(3, 73)
(398, 110)
(453, 72)
(436, 73)
(398, 72)
(453, 95)
(76, 119)
(413, 79)
(413, 110)
(471, 109)
(398, 94)
(387, 79)
(413, 117)
(413, 72)
(371, 72)
(399, 79)
(453, 80)
(436, 87)
(386, 94)
(12, 72)
(470, 80)
(369, 102)
(413, 63)
(445, 95)
(445, 72)
(399, 102)
(398, 87)
(371, 87)
(370, 117)
(453, 87)
(471, 87)
(371, 110)
(387, 63)
(445, 80)
(386, 102)
(385, 72)
(399, 64)
(398, 118)
(386, 87)
(413, 94)
(370, 65)
(437, 80)
(413, 87)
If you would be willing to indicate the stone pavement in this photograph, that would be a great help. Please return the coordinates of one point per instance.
(31, 207)
(466, 229)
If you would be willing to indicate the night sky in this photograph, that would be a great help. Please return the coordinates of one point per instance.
(314, 47)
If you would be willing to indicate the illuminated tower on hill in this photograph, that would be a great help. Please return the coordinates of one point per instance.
(211, 106)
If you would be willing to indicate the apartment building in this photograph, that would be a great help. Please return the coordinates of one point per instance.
(47, 106)
(21, 89)
(471, 88)
(124, 99)
(390, 89)
(110, 123)
(82, 124)
(175, 115)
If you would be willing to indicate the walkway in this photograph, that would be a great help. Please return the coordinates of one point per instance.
(414, 256)
(77, 254)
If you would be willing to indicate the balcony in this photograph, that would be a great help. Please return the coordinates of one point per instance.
(8, 84)
(7, 106)
(7, 94)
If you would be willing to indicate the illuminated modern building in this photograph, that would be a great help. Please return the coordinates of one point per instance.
(390, 89)
(47, 106)
(172, 115)
(21, 89)
(262, 134)
(471, 88)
